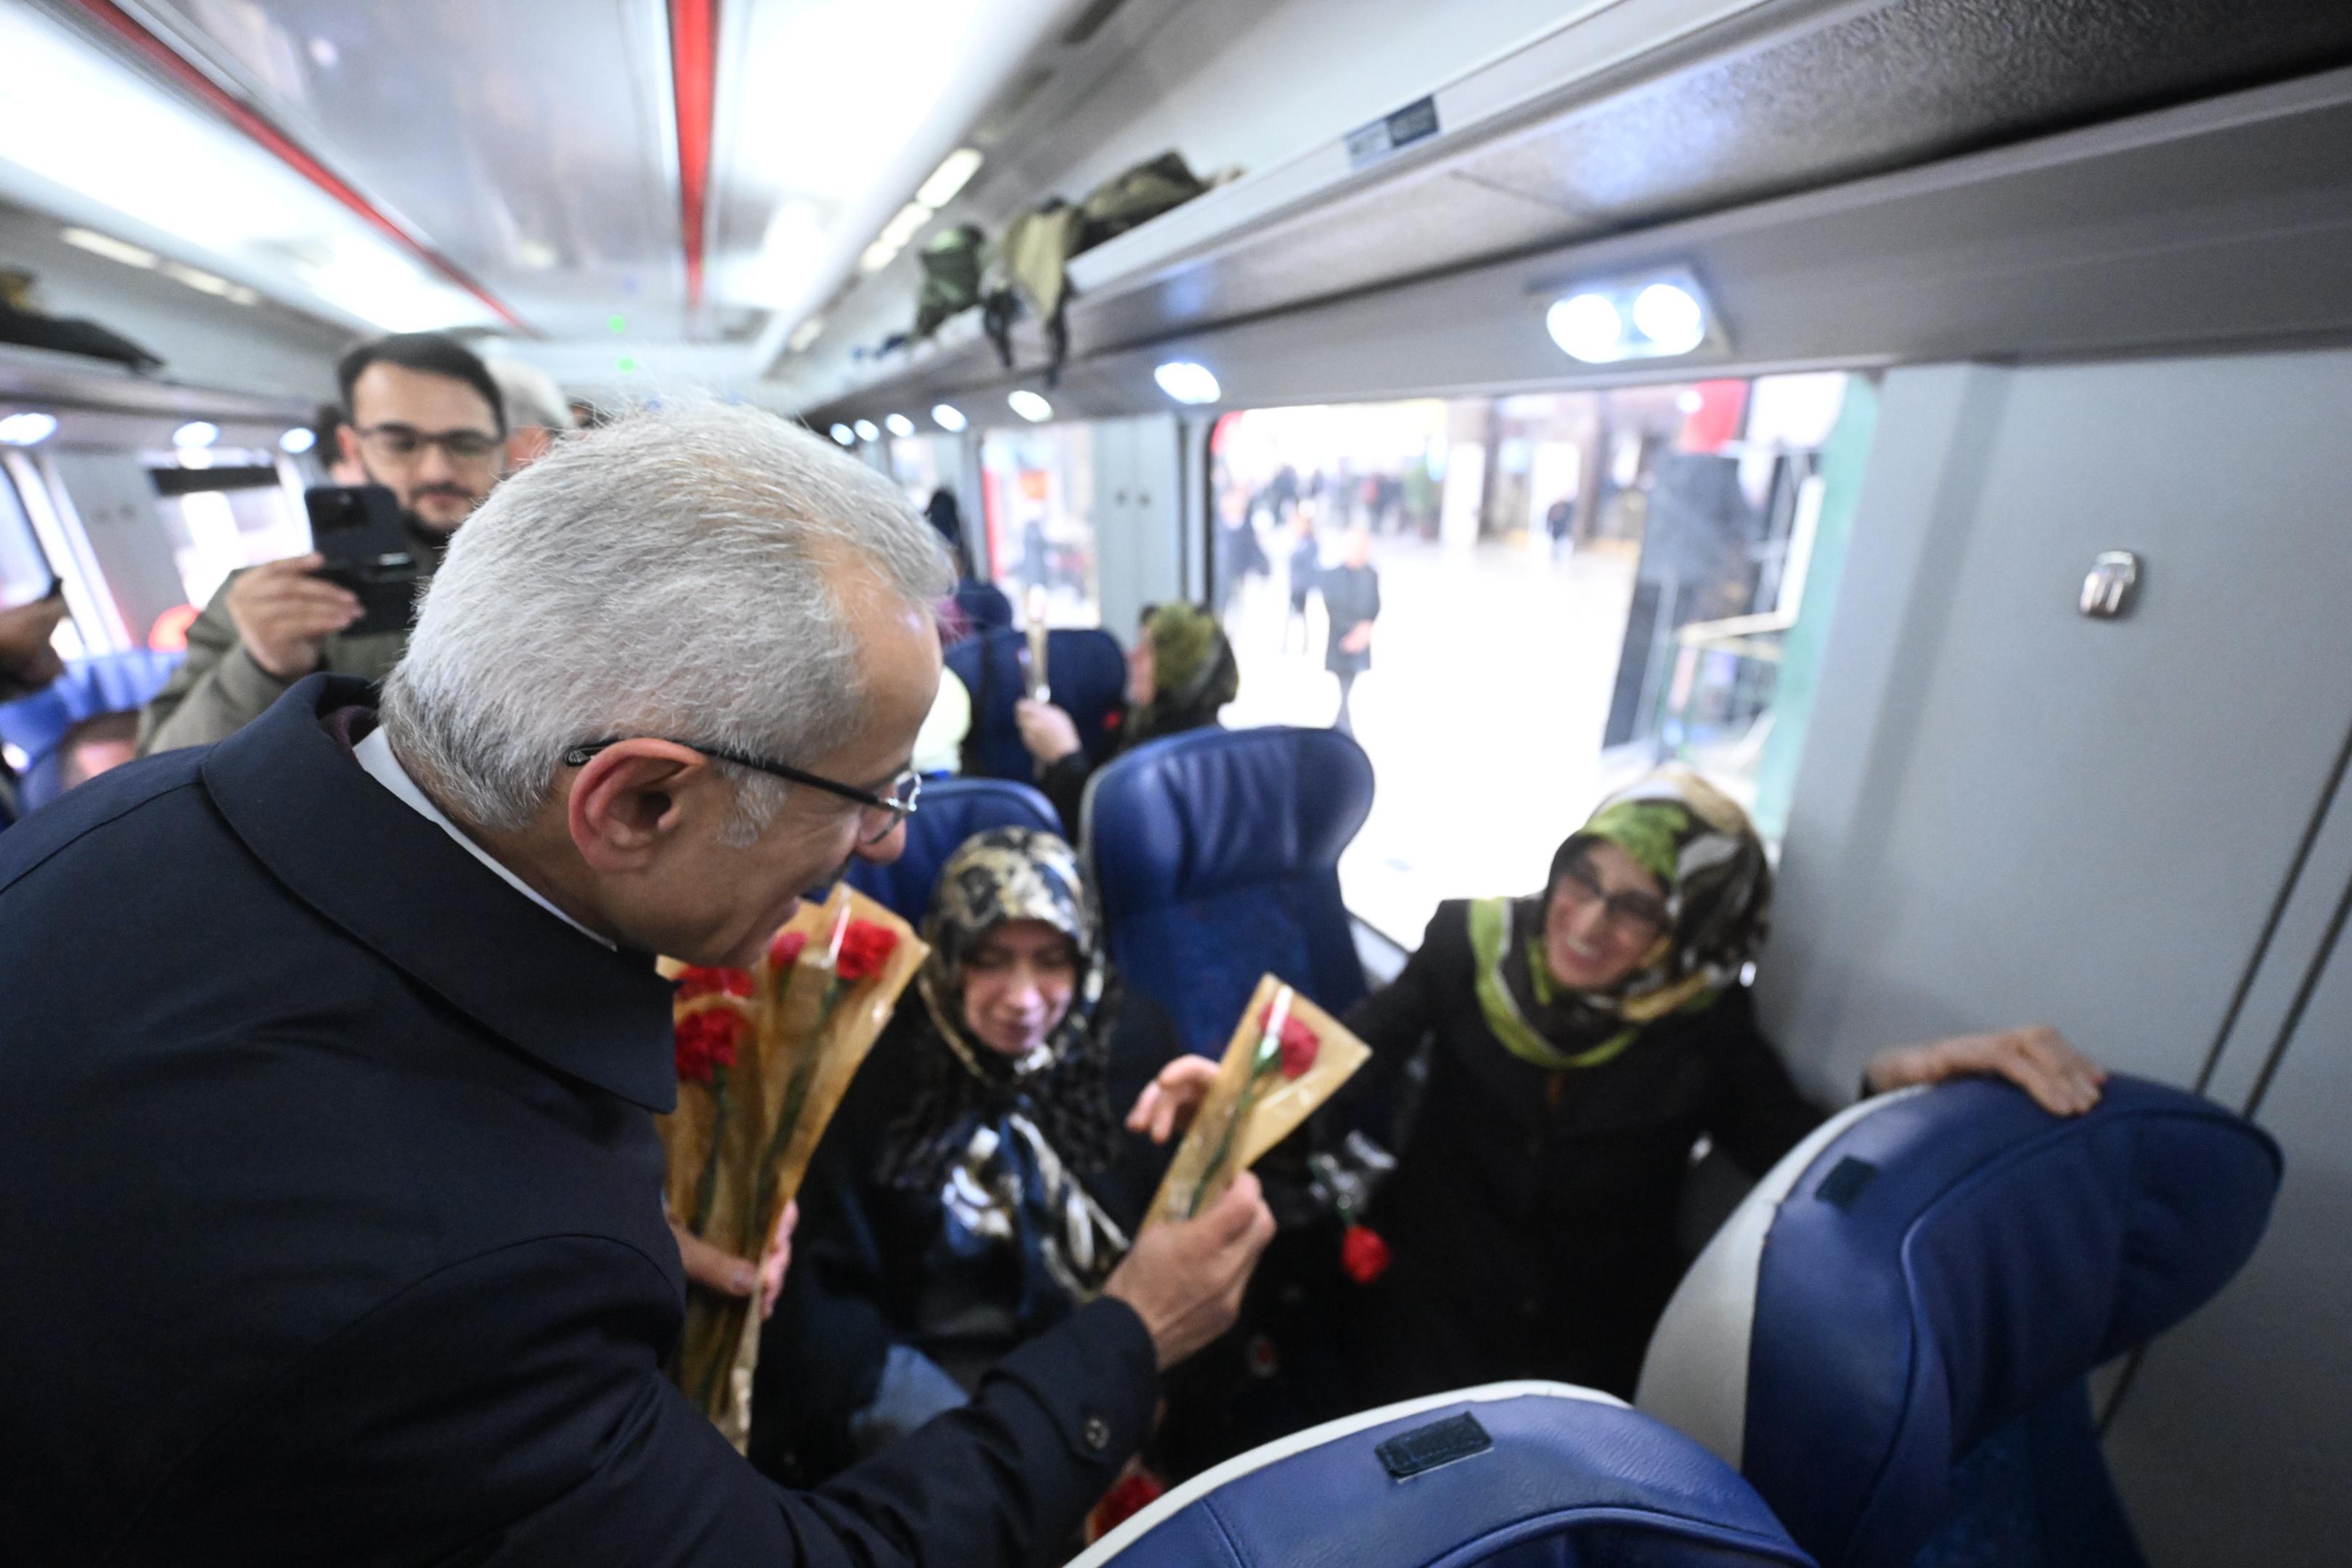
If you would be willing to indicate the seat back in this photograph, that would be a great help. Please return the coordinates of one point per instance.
(1521, 1474)
(1087, 670)
(1216, 857)
(951, 810)
(983, 606)
(89, 689)
(1919, 1289)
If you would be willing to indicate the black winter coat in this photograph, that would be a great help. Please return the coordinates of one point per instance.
(333, 1216)
(1532, 1214)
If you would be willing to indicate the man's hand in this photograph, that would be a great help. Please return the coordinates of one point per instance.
(1048, 733)
(728, 1275)
(1185, 1279)
(26, 654)
(283, 614)
(2038, 1059)
(1358, 638)
(1169, 1102)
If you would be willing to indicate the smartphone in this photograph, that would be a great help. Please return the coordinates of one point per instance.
(357, 528)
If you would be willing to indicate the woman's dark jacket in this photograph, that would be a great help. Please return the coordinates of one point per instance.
(874, 1266)
(1532, 1214)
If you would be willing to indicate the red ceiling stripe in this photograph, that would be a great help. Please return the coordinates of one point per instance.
(255, 125)
(694, 64)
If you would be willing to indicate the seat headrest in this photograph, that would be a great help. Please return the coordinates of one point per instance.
(1932, 1265)
(1533, 1473)
(1203, 812)
(1086, 669)
(951, 810)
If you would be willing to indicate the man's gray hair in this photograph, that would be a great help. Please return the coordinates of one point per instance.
(676, 574)
(530, 399)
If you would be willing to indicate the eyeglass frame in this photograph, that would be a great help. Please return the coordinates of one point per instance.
(422, 438)
(910, 780)
(1655, 923)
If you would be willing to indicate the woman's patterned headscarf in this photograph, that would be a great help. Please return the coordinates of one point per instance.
(1705, 853)
(973, 1102)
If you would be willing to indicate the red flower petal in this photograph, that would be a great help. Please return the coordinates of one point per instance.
(706, 1041)
(866, 948)
(1363, 1255)
(1299, 1047)
(697, 980)
(785, 951)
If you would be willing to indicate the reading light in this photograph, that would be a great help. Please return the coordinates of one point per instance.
(297, 441)
(1029, 405)
(196, 433)
(1186, 381)
(1667, 315)
(900, 425)
(866, 431)
(845, 435)
(28, 429)
(1636, 318)
(949, 417)
(1586, 327)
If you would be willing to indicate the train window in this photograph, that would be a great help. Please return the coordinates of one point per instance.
(1571, 588)
(225, 517)
(922, 464)
(1037, 493)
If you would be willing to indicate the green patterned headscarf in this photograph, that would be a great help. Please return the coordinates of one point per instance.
(1706, 857)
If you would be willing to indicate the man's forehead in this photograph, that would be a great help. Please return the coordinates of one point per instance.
(388, 394)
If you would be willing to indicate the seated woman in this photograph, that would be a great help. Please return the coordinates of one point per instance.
(1180, 673)
(976, 1186)
(1585, 1039)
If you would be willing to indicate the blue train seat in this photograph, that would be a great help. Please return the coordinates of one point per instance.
(1517, 1474)
(1085, 667)
(89, 689)
(983, 606)
(1216, 855)
(952, 810)
(1890, 1336)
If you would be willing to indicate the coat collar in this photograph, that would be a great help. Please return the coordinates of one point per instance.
(291, 790)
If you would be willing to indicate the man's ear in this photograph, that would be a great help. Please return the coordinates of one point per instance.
(626, 801)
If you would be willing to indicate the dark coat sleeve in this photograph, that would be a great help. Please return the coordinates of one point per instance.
(506, 1411)
(1395, 1019)
(1754, 1113)
(1065, 783)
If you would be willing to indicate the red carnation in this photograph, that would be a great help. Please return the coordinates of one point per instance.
(1363, 1255)
(694, 981)
(707, 1041)
(1133, 1492)
(866, 947)
(1299, 1046)
(785, 951)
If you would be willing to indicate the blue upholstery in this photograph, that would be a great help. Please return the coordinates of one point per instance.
(983, 606)
(1087, 670)
(951, 811)
(1216, 857)
(110, 683)
(1942, 1272)
(1568, 1477)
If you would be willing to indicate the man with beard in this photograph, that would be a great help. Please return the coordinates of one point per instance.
(424, 421)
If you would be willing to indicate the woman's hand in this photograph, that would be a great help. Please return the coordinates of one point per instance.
(716, 1269)
(1048, 733)
(2038, 1059)
(1168, 1102)
(1358, 638)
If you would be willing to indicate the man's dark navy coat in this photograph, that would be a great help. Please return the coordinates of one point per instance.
(330, 1203)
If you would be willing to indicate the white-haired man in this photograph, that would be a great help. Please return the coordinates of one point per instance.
(325, 1161)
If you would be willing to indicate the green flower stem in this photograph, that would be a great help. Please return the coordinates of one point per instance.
(795, 1100)
(707, 1188)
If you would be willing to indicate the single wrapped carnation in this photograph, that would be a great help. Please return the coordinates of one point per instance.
(1300, 1045)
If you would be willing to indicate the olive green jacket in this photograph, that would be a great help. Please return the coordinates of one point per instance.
(218, 688)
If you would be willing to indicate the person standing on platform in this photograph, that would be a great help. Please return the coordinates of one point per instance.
(1352, 598)
(1306, 567)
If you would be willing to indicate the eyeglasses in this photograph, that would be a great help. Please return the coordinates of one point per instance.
(401, 443)
(888, 810)
(1634, 915)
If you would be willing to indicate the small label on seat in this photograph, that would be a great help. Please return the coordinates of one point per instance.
(1409, 1454)
(1844, 1184)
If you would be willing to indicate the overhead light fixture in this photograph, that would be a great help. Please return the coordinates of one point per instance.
(1029, 405)
(106, 245)
(1655, 317)
(899, 426)
(906, 224)
(203, 282)
(28, 429)
(868, 431)
(955, 171)
(1188, 382)
(297, 440)
(238, 294)
(845, 435)
(877, 256)
(805, 335)
(196, 433)
(949, 418)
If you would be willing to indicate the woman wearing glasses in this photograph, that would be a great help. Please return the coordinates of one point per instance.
(1585, 1038)
(976, 1185)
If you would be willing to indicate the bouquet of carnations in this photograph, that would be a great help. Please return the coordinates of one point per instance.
(764, 1055)
(1286, 1057)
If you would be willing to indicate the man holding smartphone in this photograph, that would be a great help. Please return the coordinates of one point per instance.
(424, 421)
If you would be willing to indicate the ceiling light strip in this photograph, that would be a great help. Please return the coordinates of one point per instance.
(693, 74)
(241, 114)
